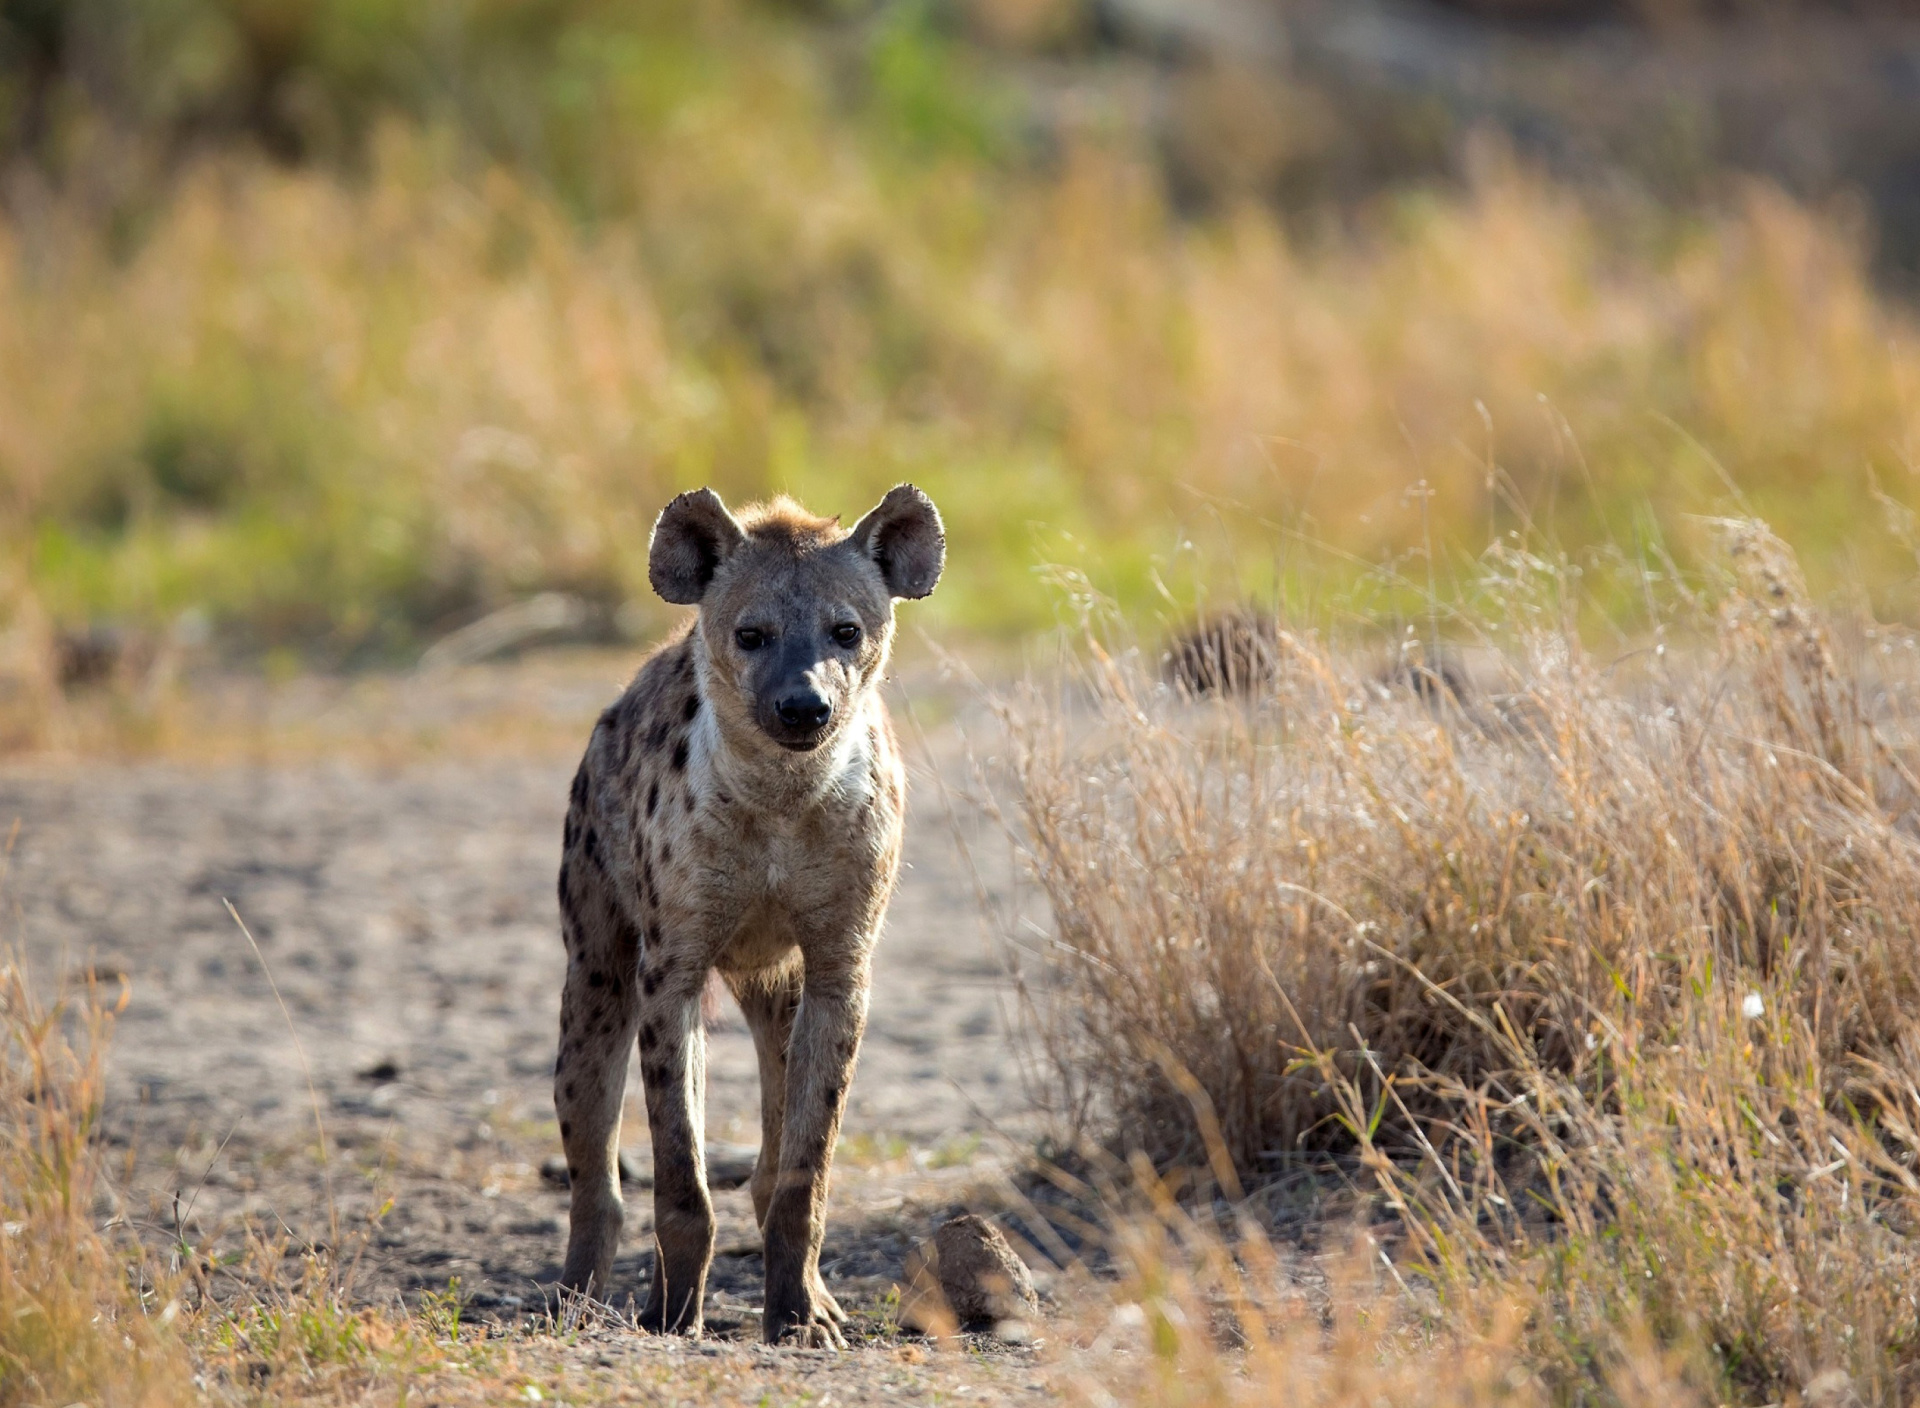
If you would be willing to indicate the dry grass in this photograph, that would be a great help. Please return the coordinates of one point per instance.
(79, 1320)
(1607, 983)
(1195, 1322)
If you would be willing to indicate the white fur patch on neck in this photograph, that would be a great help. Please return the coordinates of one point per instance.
(782, 786)
(851, 775)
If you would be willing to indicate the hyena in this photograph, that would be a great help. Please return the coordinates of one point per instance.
(738, 809)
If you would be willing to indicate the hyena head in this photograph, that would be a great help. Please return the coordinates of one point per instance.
(796, 613)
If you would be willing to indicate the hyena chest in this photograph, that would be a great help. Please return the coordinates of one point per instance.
(776, 889)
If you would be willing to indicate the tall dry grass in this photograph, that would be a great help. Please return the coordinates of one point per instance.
(1198, 1320)
(1606, 980)
(81, 1318)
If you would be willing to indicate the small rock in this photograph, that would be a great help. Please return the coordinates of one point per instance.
(967, 1277)
(1236, 651)
(88, 657)
(381, 1071)
(554, 1171)
(730, 1165)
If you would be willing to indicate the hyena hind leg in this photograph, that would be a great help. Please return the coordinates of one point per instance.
(599, 1011)
(769, 1002)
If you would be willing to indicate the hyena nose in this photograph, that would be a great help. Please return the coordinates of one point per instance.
(804, 710)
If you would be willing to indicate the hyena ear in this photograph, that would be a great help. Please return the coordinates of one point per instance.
(693, 536)
(904, 538)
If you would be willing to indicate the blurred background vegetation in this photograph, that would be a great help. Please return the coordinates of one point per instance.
(327, 326)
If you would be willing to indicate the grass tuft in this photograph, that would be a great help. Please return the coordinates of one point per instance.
(1605, 980)
(83, 1318)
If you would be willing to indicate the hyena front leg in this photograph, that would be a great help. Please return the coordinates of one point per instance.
(673, 1064)
(826, 1040)
(598, 1013)
(769, 1005)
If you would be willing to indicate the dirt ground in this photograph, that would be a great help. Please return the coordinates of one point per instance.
(403, 903)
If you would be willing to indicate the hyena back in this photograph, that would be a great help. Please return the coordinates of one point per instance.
(738, 809)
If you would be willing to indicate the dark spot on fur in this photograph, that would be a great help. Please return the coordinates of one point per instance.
(691, 709)
(680, 756)
(723, 798)
(590, 845)
(653, 797)
(566, 1129)
(570, 1090)
(666, 853)
(578, 794)
(657, 738)
(650, 984)
(647, 1037)
(686, 799)
(596, 980)
(653, 934)
(566, 897)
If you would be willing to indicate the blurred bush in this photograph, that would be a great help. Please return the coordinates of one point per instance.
(338, 323)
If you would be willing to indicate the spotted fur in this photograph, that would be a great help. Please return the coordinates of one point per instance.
(708, 832)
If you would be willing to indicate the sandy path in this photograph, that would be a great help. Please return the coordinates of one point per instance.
(407, 915)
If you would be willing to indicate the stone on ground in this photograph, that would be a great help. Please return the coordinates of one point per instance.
(967, 1277)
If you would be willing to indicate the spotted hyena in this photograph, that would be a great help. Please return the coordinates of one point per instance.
(738, 809)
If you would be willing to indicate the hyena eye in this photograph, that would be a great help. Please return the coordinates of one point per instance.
(747, 638)
(848, 635)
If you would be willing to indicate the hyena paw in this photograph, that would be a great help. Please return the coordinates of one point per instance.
(814, 1326)
(687, 1320)
(825, 1304)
